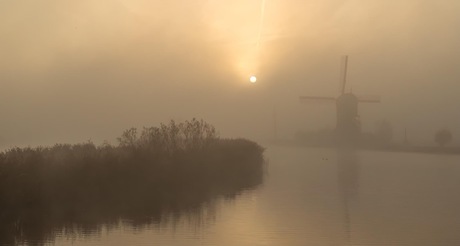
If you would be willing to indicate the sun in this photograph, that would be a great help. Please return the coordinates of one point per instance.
(253, 79)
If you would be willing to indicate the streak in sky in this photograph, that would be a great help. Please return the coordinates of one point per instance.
(261, 23)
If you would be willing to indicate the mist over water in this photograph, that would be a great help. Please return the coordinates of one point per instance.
(86, 70)
(310, 196)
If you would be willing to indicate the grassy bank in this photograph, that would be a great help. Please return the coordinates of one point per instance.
(167, 169)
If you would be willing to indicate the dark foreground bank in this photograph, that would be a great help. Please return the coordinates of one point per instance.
(166, 170)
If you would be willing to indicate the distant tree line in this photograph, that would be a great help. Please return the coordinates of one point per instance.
(167, 169)
(443, 137)
(381, 137)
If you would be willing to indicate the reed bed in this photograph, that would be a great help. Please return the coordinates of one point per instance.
(168, 169)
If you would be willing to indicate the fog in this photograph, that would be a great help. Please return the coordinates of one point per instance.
(73, 71)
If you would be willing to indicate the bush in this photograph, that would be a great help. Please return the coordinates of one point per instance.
(166, 169)
(443, 137)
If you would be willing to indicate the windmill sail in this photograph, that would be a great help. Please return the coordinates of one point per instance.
(344, 76)
(348, 126)
(314, 99)
(369, 99)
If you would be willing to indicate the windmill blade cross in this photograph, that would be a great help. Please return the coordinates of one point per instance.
(369, 99)
(344, 75)
(315, 99)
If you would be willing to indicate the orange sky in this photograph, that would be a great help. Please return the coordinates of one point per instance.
(78, 70)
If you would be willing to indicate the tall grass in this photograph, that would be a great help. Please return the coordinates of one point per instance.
(165, 169)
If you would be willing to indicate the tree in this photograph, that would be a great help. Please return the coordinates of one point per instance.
(443, 137)
(128, 138)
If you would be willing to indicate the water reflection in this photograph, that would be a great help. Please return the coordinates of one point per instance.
(348, 170)
(41, 224)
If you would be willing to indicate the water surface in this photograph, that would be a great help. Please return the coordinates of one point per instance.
(314, 197)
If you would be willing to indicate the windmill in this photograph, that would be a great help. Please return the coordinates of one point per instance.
(348, 126)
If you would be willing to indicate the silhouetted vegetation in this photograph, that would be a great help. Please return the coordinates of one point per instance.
(329, 138)
(443, 137)
(163, 170)
(380, 140)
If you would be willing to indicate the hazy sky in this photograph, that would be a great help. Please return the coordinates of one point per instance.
(78, 70)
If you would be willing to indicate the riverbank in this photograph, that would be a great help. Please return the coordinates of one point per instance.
(391, 147)
(165, 170)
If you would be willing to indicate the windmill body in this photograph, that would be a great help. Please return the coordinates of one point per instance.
(348, 126)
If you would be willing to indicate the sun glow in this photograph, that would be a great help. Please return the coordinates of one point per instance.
(253, 79)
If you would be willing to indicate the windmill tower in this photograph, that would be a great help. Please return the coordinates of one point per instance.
(348, 126)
